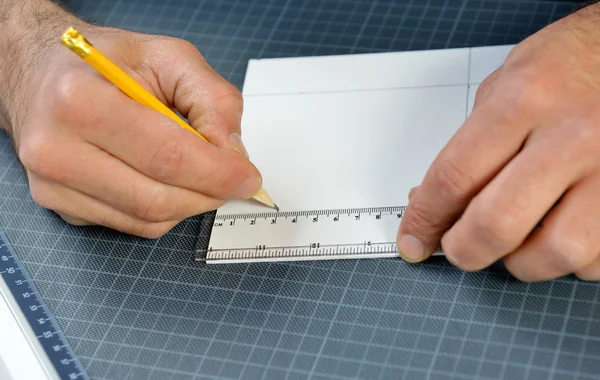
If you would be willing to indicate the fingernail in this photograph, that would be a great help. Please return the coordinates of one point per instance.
(410, 248)
(238, 145)
(248, 188)
(451, 259)
(447, 253)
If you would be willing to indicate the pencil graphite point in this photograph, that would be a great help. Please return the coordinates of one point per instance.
(265, 199)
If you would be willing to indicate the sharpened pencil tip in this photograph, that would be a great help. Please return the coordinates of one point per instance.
(265, 199)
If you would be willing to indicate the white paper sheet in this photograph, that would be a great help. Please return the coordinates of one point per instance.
(352, 131)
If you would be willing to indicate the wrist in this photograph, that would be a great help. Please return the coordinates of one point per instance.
(30, 33)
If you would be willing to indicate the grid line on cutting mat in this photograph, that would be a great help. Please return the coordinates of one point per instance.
(140, 309)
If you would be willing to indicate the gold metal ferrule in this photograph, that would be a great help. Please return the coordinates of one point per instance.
(76, 42)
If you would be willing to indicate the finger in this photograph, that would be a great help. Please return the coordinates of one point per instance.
(155, 145)
(411, 193)
(500, 218)
(591, 272)
(212, 105)
(74, 220)
(74, 206)
(567, 242)
(103, 177)
(486, 86)
(481, 147)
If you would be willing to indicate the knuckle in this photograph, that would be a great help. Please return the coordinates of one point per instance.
(420, 217)
(495, 226)
(230, 97)
(452, 181)
(156, 208)
(169, 41)
(412, 192)
(486, 86)
(36, 153)
(67, 96)
(153, 230)
(184, 48)
(32, 150)
(39, 194)
(520, 274)
(168, 159)
(579, 140)
(584, 276)
(528, 93)
(588, 274)
(569, 253)
(73, 220)
(186, 45)
(527, 96)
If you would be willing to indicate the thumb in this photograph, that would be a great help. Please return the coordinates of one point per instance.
(420, 231)
(432, 209)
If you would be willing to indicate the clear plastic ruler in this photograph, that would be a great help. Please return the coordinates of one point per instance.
(332, 234)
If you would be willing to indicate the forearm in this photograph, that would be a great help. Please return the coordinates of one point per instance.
(29, 30)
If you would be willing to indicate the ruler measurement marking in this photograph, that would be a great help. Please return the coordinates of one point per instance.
(32, 306)
(359, 211)
(308, 251)
(265, 245)
(309, 246)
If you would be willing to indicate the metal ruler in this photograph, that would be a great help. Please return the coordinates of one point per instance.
(32, 343)
(303, 235)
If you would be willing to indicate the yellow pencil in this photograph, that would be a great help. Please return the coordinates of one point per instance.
(80, 46)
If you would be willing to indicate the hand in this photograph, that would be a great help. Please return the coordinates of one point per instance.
(95, 156)
(530, 151)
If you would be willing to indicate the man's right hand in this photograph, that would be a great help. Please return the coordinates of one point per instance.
(95, 156)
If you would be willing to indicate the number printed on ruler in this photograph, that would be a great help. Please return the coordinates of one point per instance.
(36, 315)
(305, 235)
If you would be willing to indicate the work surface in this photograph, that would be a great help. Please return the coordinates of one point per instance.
(142, 309)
